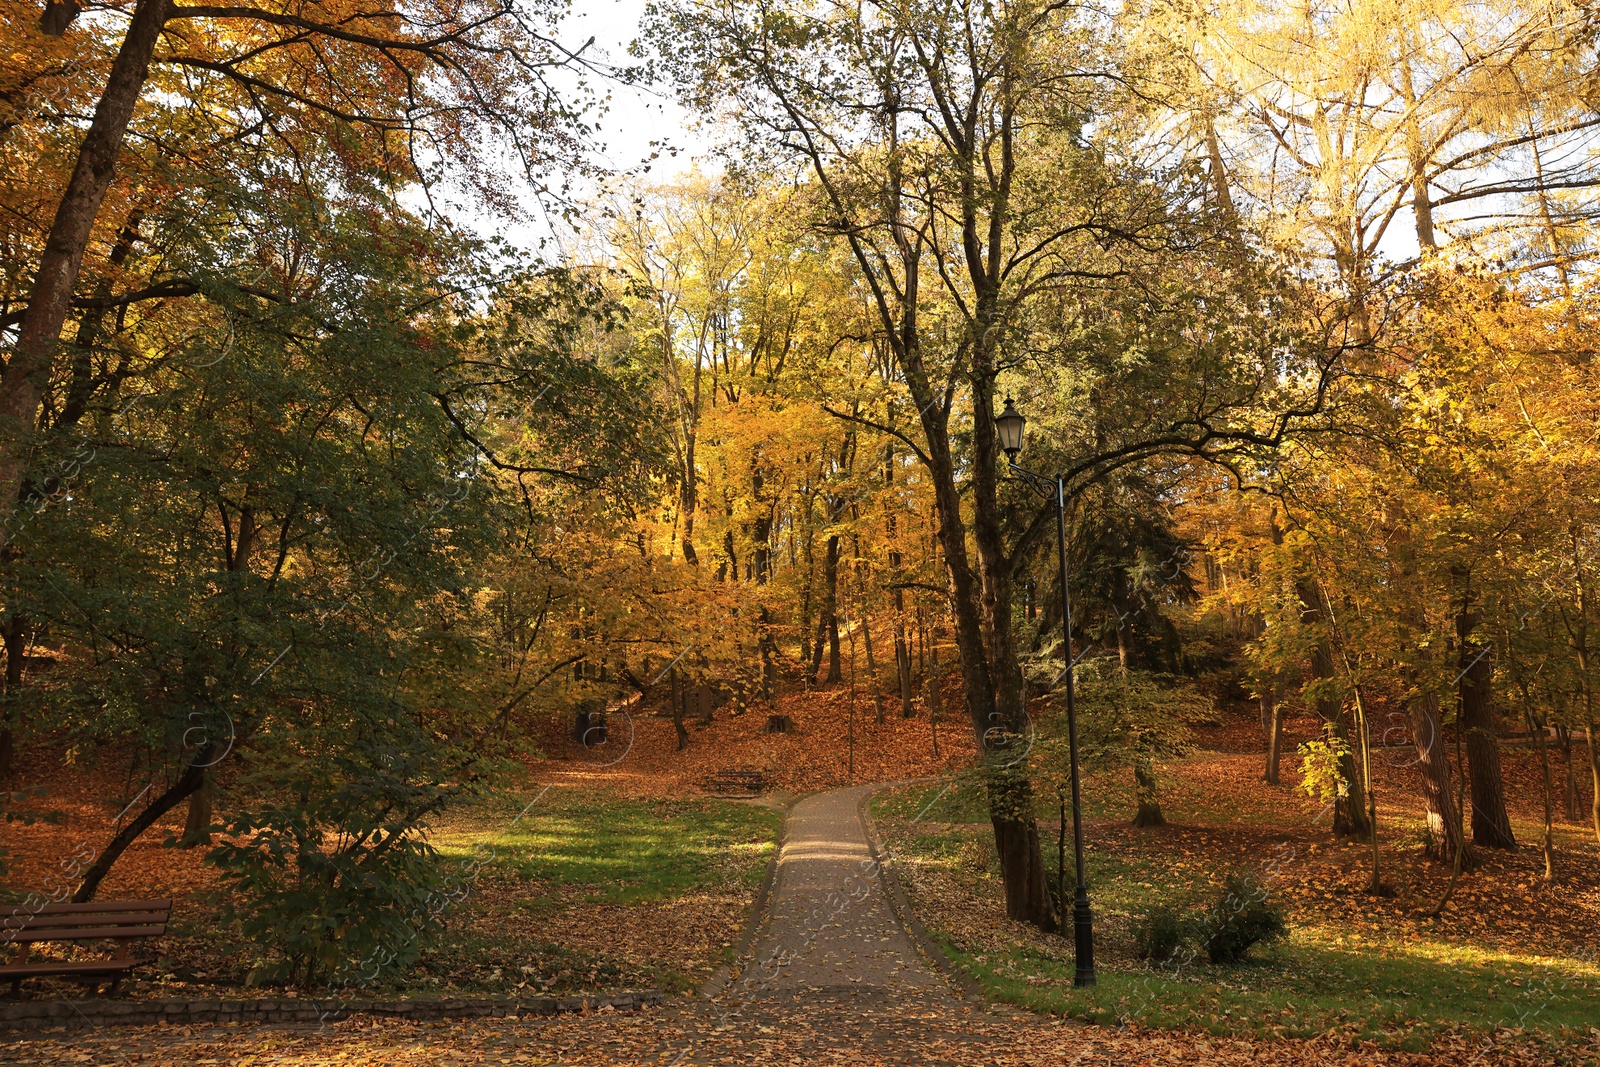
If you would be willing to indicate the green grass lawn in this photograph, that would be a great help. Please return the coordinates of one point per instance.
(1305, 987)
(1396, 986)
(620, 851)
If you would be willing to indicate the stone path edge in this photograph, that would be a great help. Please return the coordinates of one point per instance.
(26, 1015)
(759, 913)
(933, 952)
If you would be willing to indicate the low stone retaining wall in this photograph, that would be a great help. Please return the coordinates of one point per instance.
(49, 1014)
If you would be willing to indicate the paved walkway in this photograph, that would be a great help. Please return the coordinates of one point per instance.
(833, 973)
(830, 927)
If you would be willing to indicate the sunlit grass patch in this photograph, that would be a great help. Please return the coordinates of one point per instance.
(1303, 988)
(623, 851)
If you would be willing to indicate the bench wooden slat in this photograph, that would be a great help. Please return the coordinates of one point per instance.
(95, 906)
(76, 922)
(93, 933)
(69, 922)
(39, 970)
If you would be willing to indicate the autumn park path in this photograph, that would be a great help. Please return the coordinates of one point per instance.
(831, 976)
(831, 928)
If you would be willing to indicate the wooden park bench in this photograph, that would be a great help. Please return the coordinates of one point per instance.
(739, 783)
(119, 921)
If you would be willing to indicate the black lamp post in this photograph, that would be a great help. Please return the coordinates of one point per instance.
(1010, 423)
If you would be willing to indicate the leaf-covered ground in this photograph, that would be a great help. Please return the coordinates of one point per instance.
(585, 891)
(640, 756)
(796, 1034)
(1508, 953)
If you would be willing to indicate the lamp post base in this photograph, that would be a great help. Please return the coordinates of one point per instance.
(1083, 933)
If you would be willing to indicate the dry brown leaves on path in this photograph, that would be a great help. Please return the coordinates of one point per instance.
(810, 1033)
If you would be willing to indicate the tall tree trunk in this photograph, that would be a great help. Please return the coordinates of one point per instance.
(689, 498)
(1491, 826)
(866, 637)
(27, 370)
(1594, 777)
(852, 770)
(1443, 822)
(1364, 728)
(81, 384)
(1463, 851)
(1016, 844)
(16, 643)
(1578, 637)
(1552, 235)
(1148, 812)
(1123, 604)
(728, 569)
(239, 542)
(1273, 709)
(762, 565)
(197, 827)
(1433, 759)
(1271, 706)
(808, 588)
(980, 598)
(678, 698)
(933, 680)
(1570, 771)
(769, 660)
(927, 622)
(872, 671)
(1417, 155)
(829, 622)
(1349, 811)
(1001, 700)
(902, 657)
(760, 530)
(703, 702)
(1217, 169)
(902, 647)
(980, 611)
(991, 681)
(819, 645)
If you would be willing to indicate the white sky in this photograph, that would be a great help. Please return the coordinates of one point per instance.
(633, 117)
(637, 115)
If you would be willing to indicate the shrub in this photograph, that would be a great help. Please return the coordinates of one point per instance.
(329, 871)
(1159, 935)
(1241, 919)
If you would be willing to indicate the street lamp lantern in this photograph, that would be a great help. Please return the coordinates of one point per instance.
(1010, 423)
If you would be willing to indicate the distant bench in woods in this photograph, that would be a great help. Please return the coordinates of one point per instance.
(119, 921)
(739, 783)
